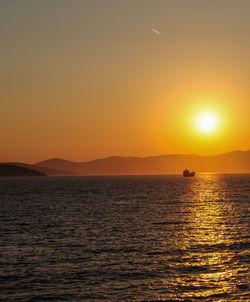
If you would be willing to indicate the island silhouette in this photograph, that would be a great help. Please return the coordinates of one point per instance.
(7, 170)
(231, 162)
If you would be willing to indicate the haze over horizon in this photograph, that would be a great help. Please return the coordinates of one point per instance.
(136, 156)
(121, 156)
(90, 79)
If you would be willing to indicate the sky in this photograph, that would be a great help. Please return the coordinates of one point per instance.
(87, 79)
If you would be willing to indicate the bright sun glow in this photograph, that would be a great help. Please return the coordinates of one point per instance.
(207, 122)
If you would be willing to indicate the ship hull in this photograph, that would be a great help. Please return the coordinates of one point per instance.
(189, 175)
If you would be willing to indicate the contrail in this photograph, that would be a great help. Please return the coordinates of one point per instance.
(155, 31)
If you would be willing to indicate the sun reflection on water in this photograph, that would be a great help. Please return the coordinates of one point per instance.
(206, 240)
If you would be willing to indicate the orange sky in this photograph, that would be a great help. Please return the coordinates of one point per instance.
(88, 79)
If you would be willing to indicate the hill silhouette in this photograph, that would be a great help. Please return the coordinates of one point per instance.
(44, 170)
(7, 170)
(231, 162)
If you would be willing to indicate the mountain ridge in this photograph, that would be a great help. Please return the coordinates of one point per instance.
(233, 161)
(230, 162)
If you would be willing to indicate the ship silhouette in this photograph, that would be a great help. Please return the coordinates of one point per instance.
(187, 173)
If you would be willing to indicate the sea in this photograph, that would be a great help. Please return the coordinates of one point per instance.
(125, 238)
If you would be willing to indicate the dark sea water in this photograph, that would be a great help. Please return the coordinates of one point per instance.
(127, 238)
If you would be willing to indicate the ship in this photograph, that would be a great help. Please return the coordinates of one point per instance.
(187, 173)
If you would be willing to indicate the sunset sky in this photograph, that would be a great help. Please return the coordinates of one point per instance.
(87, 79)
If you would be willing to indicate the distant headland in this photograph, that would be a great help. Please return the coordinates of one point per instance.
(231, 162)
(9, 170)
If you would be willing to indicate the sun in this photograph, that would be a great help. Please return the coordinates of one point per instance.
(207, 122)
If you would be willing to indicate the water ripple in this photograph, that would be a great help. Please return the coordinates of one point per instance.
(131, 238)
